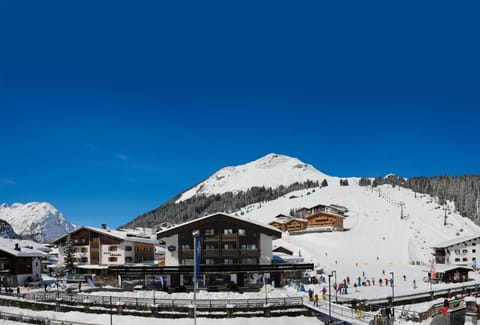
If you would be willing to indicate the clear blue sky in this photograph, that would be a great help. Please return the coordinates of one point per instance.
(109, 109)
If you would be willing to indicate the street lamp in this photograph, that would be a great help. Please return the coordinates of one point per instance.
(393, 296)
(329, 299)
(195, 234)
(336, 284)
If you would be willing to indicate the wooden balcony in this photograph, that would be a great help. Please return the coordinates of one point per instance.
(212, 252)
(229, 237)
(187, 253)
(249, 253)
(211, 238)
(230, 252)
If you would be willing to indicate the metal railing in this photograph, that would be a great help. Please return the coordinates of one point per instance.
(83, 299)
(38, 319)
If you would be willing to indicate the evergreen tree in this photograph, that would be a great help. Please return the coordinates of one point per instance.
(69, 250)
(324, 182)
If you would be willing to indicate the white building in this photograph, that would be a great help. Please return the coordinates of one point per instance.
(464, 251)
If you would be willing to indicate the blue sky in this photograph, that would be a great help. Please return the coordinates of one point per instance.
(110, 109)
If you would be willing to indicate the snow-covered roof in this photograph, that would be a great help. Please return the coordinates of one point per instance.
(123, 235)
(26, 249)
(261, 225)
(455, 241)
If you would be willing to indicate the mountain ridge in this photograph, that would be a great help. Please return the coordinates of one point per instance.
(39, 221)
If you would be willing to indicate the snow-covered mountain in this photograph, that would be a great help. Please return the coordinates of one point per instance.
(6, 230)
(271, 170)
(36, 220)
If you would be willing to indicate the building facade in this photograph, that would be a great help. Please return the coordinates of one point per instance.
(20, 263)
(104, 246)
(464, 251)
(226, 241)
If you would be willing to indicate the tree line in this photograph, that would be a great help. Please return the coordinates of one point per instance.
(464, 191)
(201, 205)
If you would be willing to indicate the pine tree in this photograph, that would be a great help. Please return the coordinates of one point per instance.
(324, 182)
(69, 250)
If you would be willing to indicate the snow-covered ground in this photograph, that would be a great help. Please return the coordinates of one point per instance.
(376, 241)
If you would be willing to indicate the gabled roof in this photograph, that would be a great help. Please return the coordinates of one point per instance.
(122, 235)
(323, 212)
(295, 219)
(266, 229)
(26, 249)
(454, 241)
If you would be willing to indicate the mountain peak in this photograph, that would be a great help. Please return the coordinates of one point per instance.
(38, 220)
(272, 170)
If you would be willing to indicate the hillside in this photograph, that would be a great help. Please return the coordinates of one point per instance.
(376, 237)
(232, 188)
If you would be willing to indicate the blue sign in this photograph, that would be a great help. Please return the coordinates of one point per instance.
(198, 253)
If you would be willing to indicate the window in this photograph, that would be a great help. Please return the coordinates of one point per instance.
(242, 232)
(248, 261)
(112, 248)
(465, 259)
(464, 251)
(457, 251)
(84, 260)
(228, 246)
(186, 246)
(228, 261)
(457, 259)
(228, 231)
(209, 231)
(84, 250)
(209, 246)
(249, 246)
(128, 259)
(84, 240)
(209, 261)
(112, 259)
(474, 250)
(128, 248)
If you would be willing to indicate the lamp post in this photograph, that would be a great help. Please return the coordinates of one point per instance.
(195, 235)
(393, 296)
(336, 284)
(329, 299)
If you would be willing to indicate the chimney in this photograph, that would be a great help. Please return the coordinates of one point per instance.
(17, 247)
(104, 226)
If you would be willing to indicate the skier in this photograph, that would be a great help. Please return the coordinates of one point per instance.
(414, 284)
(324, 293)
(315, 300)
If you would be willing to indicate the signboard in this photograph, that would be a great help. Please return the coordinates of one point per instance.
(171, 248)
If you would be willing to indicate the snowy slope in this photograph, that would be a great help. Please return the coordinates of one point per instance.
(271, 170)
(37, 220)
(377, 238)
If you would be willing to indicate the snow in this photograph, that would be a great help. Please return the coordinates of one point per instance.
(40, 220)
(271, 170)
(376, 241)
(132, 320)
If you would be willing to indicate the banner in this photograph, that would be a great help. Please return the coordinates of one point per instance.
(198, 255)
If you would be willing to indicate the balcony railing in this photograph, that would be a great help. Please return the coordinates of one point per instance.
(187, 253)
(211, 252)
(249, 252)
(211, 238)
(229, 237)
(229, 252)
